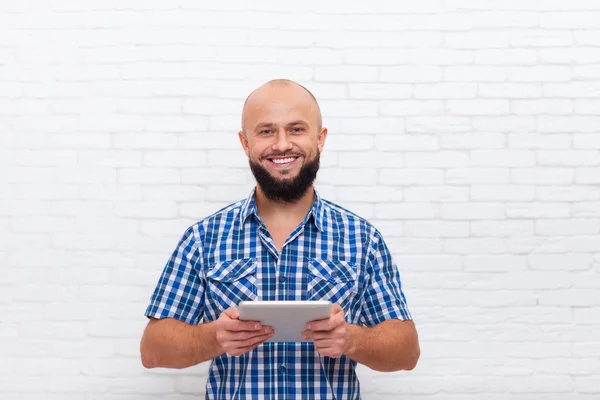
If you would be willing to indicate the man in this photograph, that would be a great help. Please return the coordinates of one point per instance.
(282, 243)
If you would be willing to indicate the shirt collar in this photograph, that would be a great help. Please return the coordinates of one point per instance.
(316, 211)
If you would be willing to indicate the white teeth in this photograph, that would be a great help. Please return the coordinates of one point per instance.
(283, 160)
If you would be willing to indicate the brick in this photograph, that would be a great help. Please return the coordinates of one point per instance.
(436, 193)
(363, 176)
(347, 73)
(587, 175)
(440, 159)
(145, 141)
(506, 124)
(370, 194)
(406, 210)
(537, 141)
(347, 108)
(478, 140)
(497, 193)
(41, 224)
(586, 209)
(478, 107)
(576, 298)
(445, 91)
(370, 159)
(570, 55)
(587, 72)
(505, 57)
(354, 142)
(45, 191)
(472, 211)
(411, 74)
(495, 263)
(502, 228)
(510, 90)
(405, 142)
(544, 106)
(476, 40)
(378, 91)
(437, 124)
(538, 210)
(573, 89)
(542, 176)
(409, 176)
(568, 157)
(375, 125)
(146, 209)
(174, 158)
(429, 263)
(476, 175)
(411, 108)
(586, 141)
(153, 176)
(586, 315)
(110, 158)
(502, 158)
(436, 229)
(575, 193)
(472, 73)
(570, 227)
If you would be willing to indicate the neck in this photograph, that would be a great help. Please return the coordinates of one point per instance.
(282, 211)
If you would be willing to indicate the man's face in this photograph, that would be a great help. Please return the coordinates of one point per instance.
(283, 141)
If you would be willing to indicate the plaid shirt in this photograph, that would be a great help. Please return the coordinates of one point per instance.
(229, 257)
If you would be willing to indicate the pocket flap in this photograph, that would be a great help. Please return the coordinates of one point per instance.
(232, 270)
(332, 270)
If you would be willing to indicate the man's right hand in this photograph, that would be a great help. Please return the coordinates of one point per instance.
(238, 337)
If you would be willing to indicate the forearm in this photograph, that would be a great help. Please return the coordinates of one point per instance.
(170, 343)
(390, 346)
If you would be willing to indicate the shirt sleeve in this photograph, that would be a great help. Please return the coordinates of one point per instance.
(383, 298)
(179, 293)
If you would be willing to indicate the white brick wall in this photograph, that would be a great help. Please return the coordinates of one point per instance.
(468, 131)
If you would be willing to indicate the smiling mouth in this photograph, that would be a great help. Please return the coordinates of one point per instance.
(283, 161)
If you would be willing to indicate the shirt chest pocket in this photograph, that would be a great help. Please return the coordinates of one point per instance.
(230, 282)
(332, 280)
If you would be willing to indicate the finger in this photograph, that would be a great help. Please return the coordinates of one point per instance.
(252, 342)
(246, 335)
(307, 334)
(325, 335)
(232, 312)
(326, 324)
(243, 350)
(319, 325)
(237, 326)
(327, 343)
(336, 309)
(329, 352)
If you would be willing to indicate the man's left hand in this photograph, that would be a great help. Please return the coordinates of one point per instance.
(331, 336)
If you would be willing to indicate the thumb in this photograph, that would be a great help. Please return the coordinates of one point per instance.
(232, 312)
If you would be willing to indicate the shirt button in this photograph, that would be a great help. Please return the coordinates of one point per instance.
(282, 279)
(282, 369)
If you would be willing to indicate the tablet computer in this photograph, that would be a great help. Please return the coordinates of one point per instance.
(288, 318)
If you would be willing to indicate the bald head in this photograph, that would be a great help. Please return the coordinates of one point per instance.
(281, 93)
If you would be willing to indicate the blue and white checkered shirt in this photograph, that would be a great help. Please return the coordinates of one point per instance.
(230, 256)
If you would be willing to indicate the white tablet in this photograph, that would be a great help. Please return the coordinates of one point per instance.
(288, 318)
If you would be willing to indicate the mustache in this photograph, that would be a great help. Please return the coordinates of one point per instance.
(283, 155)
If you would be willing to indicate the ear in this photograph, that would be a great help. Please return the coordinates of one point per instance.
(321, 139)
(244, 142)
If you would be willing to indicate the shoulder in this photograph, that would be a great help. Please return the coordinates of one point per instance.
(223, 218)
(345, 218)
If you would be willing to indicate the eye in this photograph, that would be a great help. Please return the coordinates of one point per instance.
(265, 132)
(297, 129)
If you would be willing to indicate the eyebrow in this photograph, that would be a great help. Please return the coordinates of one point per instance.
(263, 125)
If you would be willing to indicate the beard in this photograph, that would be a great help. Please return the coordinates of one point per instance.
(286, 190)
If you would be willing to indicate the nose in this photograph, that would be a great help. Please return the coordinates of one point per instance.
(282, 142)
